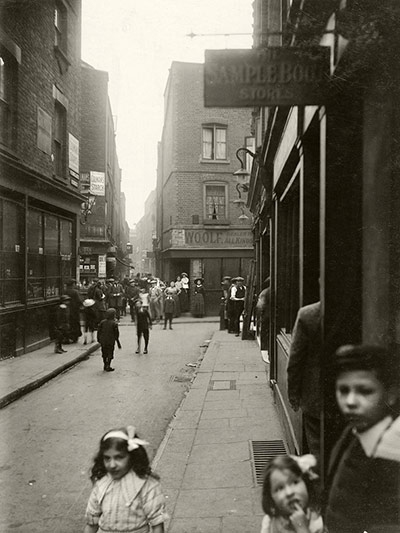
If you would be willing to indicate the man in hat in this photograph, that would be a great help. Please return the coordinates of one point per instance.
(155, 295)
(90, 318)
(62, 323)
(132, 294)
(225, 286)
(238, 294)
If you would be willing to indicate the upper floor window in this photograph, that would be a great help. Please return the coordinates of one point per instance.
(59, 140)
(60, 26)
(214, 142)
(215, 202)
(8, 73)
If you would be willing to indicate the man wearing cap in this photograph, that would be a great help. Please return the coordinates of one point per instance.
(238, 294)
(155, 295)
(62, 323)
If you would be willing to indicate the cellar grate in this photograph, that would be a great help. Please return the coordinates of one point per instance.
(263, 451)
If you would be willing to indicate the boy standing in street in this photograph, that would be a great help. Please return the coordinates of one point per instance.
(169, 310)
(143, 325)
(364, 470)
(107, 336)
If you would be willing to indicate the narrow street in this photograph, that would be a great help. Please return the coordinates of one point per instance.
(48, 437)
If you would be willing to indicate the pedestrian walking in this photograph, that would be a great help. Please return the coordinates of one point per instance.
(304, 372)
(238, 294)
(107, 336)
(89, 317)
(75, 305)
(115, 297)
(62, 324)
(143, 326)
(169, 310)
(127, 494)
(363, 481)
(290, 496)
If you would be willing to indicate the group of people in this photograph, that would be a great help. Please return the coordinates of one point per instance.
(233, 298)
(362, 486)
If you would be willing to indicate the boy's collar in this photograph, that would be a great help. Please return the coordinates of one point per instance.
(370, 438)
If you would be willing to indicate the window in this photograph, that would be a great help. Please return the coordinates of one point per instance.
(60, 26)
(288, 259)
(59, 140)
(8, 73)
(11, 252)
(215, 202)
(214, 142)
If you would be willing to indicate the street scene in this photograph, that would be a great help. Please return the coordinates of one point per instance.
(199, 266)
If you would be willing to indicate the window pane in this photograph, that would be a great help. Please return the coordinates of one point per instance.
(207, 143)
(35, 231)
(66, 237)
(221, 143)
(12, 224)
(215, 202)
(51, 235)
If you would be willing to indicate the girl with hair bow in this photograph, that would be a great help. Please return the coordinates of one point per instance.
(126, 495)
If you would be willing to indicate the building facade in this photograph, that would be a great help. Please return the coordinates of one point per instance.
(39, 165)
(104, 233)
(325, 193)
(143, 238)
(203, 228)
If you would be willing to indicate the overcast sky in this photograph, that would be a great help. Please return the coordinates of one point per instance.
(135, 41)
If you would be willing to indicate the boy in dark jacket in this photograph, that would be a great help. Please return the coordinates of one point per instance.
(143, 325)
(107, 336)
(169, 310)
(364, 470)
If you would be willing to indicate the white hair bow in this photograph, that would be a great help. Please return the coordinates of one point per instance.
(129, 436)
(306, 463)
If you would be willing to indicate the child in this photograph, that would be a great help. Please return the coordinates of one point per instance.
(143, 324)
(107, 336)
(90, 317)
(169, 310)
(126, 495)
(364, 471)
(62, 323)
(289, 496)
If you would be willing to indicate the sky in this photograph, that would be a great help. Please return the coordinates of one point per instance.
(136, 41)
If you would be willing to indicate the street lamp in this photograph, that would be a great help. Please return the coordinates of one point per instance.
(87, 206)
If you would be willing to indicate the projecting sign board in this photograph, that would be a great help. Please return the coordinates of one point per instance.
(97, 183)
(269, 77)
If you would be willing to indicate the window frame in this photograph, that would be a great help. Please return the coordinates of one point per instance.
(214, 128)
(60, 140)
(218, 220)
(8, 92)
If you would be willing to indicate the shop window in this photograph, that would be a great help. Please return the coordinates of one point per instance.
(288, 259)
(214, 142)
(8, 77)
(11, 252)
(36, 264)
(215, 202)
(59, 140)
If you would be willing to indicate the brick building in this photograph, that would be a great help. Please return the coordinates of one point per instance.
(39, 165)
(104, 233)
(202, 229)
(143, 259)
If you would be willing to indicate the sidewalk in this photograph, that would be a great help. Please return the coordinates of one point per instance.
(210, 461)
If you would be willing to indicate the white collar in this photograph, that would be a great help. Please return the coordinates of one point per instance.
(370, 438)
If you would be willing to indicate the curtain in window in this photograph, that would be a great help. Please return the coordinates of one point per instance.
(215, 202)
(220, 148)
(207, 143)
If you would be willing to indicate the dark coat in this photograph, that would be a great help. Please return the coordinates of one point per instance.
(108, 332)
(303, 369)
(143, 320)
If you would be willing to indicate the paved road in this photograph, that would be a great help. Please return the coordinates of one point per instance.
(48, 437)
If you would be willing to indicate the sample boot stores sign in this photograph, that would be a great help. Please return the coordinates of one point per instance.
(269, 77)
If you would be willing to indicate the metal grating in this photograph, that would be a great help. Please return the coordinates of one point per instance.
(262, 452)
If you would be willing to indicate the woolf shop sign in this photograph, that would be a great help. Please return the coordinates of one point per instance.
(212, 238)
(269, 77)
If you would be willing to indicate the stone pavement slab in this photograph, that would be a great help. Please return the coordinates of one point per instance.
(205, 461)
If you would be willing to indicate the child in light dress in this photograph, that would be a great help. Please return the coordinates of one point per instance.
(289, 496)
(126, 495)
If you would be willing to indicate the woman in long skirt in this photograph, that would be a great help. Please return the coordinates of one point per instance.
(198, 300)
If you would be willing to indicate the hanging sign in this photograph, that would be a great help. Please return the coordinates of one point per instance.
(269, 77)
(97, 183)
